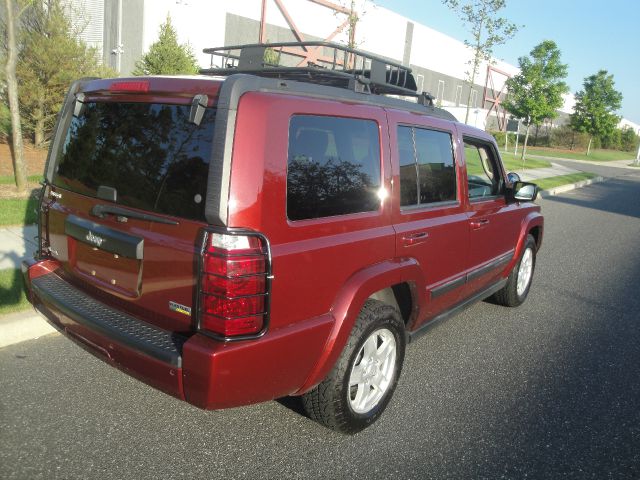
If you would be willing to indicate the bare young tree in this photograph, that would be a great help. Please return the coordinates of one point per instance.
(12, 15)
(486, 30)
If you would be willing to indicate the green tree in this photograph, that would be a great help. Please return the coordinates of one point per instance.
(486, 30)
(271, 56)
(612, 140)
(167, 56)
(51, 58)
(535, 93)
(595, 107)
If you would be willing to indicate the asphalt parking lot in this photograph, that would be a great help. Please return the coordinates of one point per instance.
(548, 390)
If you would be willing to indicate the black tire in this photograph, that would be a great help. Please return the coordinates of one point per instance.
(508, 295)
(330, 402)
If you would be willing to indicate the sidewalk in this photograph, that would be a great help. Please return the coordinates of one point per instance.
(554, 170)
(610, 163)
(22, 326)
(16, 244)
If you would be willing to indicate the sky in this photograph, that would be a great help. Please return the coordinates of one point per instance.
(592, 35)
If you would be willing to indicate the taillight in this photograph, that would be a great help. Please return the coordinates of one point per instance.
(234, 284)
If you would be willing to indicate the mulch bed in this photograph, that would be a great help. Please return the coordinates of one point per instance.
(35, 159)
(10, 191)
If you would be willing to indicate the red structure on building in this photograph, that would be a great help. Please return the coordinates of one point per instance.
(493, 98)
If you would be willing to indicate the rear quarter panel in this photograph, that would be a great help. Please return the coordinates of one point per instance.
(312, 259)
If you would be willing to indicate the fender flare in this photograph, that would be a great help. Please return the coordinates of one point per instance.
(349, 302)
(531, 220)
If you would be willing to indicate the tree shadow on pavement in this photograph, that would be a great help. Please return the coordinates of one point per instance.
(607, 196)
(12, 294)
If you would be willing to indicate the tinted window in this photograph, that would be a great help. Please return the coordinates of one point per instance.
(333, 167)
(408, 167)
(437, 172)
(427, 167)
(150, 153)
(483, 175)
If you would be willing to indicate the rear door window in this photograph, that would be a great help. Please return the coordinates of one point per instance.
(333, 166)
(151, 154)
(427, 166)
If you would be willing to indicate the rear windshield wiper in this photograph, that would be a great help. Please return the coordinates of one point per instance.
(102, 210)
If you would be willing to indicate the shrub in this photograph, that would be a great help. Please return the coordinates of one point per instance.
(566, 137)
(629, 140)
(499, 136)
(5, 122)
(612, 140)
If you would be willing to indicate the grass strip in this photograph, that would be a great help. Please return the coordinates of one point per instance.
(513, 163)
(594, 156)
(553, 182)
(12, 296)
(18, 211)
(9, 180)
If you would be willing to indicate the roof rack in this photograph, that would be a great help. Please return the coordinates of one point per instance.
(325, 63)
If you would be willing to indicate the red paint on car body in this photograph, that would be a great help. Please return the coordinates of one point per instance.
(323, 269)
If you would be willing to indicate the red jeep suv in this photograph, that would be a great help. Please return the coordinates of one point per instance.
(266, 229)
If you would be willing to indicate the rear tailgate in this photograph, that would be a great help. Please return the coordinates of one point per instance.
(128, 176)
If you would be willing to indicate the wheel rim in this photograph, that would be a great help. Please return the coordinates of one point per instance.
(525, 271)
(372, 371)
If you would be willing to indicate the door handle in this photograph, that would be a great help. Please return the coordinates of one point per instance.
(477, 224)
(415, 238)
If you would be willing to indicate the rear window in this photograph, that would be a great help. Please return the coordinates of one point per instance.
(150, 153)
(333, 167)
(427, 166)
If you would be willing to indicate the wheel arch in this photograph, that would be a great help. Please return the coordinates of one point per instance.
(532, 224)
(401, 296)
(395, 282)
(537, 232)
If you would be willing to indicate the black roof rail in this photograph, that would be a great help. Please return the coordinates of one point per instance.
(325, 63)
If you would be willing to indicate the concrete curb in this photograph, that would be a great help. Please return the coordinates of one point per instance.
(29, 325)
(21, 326)
(570, 186)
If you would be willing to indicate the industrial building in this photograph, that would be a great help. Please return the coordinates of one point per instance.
(123, 30)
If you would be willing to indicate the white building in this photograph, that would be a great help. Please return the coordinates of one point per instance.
(439, 62)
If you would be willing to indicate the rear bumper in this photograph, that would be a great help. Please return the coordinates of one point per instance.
(146, 352)
(205, 372)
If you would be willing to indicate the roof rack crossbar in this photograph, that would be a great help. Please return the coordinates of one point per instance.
(341, 66)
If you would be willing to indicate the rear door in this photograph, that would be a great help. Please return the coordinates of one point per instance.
(429, 218)
(127, 202)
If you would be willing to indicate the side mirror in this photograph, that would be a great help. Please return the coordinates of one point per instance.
(513, 177)
(523, 192)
